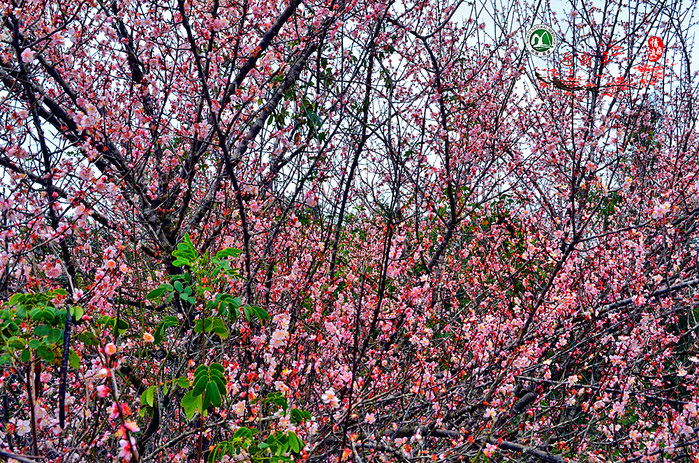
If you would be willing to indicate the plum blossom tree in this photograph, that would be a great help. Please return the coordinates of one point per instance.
(347, 231)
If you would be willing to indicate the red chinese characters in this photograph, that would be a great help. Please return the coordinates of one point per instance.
(655, 48)
(587, 59)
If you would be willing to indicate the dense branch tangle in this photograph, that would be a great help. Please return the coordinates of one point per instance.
(459, 260)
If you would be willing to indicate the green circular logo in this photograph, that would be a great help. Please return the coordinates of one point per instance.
(541, 40)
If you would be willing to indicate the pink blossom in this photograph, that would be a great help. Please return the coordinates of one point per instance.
(218, 24)
(489, 450)
(22, 427)
(53, 270)
(110, 349)
(311, 199)
(131, 426)
(660, 210)
(278, 338)
(17, 152)
(103, 391)
(125, 449)
(114, 411)
(330, 398)
(239, 408)
(591, 289)
(27, 55)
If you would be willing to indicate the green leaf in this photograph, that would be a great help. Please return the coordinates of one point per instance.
(26, 355)
(43, 313)
(179, 287)
(73, 360)
(183, 257)
(216, 454)
(188, 242)
(183, 382)
(77, 312)
(228, 252)
(295, 443)
(46, 354)
(200, 384)
(281, 402)
(213, 396)
(210, 384)
(17, 298)
(159, 291)
(159, 334)
(185, 253)
(201, 374)
(15, 343)
(243, 432)
(191, 403)
(119, 325)
(298, 415)
(41, 330)
(148, 396)
(206, 398)
(219, 327)
(88, 338)
(170, 320)
(160, 330)
(220, 384)
(261, 313)
(54, 336)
